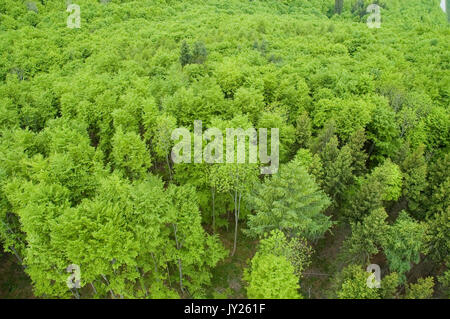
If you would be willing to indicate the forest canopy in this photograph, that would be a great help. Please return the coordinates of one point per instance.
(87, 181)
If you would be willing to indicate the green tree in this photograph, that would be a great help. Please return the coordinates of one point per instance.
(356, 145)
(185, 54)
(286, 132)
(337, 169)
(404, 243)
(367, 237)
(311, 162)
(438, 236)
(383, 131)
(444, 280)
(438, 199)
(390, 176)
(354, 284)
(162, 142)
(414, 169)
(192, 250)
(271, 277)
(290, 201)
(423, 289)
(295, 249)
(199, 54)
(303, 130)
(235, 179)
(384, 183)
(389, 285)
(130, 154)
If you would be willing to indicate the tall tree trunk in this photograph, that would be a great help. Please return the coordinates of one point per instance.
(168, 165)
(17, 256)
(120, 295)
(141, 281)
(213, 191)
(168, 275)
(13, 248)
(93, 288)
(180, 273)
(180, 269)
(154, 261)
(236, 217)
(113, 296)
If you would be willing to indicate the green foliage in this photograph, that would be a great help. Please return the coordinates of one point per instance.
(438, 236)
(124, 233)
(384, 183)
(271, 277)
(290, 201)
(287, 132)
(423, 289)
(303, 130)
(185, 55)
(130, 154)
(367, 236)
(337, 169)
(354, 284)
(311, 162)
(383, 130)
(444, 280)
(389, 285)
(296, 250)
(198, 54)
(404, 243)
(415, 180)
(438, 199)
(389, 175)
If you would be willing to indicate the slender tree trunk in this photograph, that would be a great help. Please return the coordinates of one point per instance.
(236, 217)
(168, 275)
(180, 272)
(213, 191)
(180, 269)
(154, 261)
(237, 220)
(168, 165)
(13, 248)
(93, 288)
(141, 281)
(120, 295)
(110, 290)
(17, 256)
